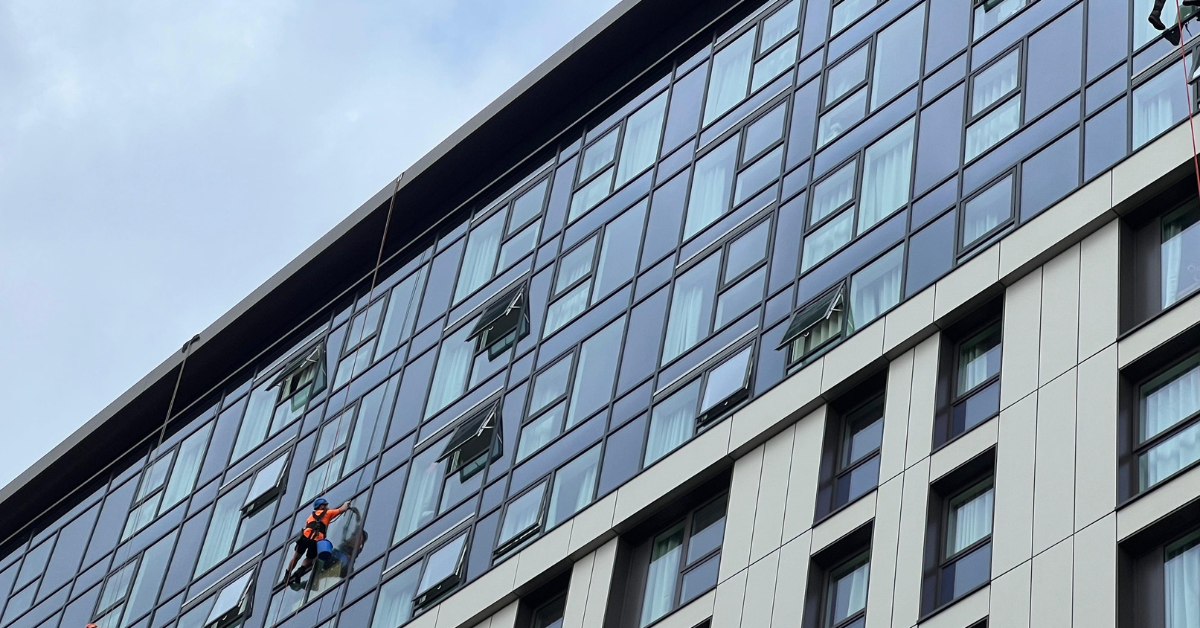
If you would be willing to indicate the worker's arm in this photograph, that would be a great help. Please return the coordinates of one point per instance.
(333, 513)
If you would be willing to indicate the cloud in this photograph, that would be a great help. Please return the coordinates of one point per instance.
(158, 161)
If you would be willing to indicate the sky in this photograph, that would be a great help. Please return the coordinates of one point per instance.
(159, 161)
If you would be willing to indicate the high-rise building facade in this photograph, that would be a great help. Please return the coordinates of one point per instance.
(805, 313)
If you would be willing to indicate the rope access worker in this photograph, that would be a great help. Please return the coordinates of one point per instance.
(1172, 33)
(314, 530)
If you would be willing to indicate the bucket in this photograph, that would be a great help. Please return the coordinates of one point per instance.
(324, 549)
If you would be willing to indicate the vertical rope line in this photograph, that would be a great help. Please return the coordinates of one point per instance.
(187, 350)
(1188, 90)
(387, 223)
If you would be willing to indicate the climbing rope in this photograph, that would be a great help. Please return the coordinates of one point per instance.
(187, 350)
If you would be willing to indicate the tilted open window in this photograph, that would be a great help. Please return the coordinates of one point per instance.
(522, 519)
(306, 368)
(816, 325)
(267, 485)
(726, 386)
(233, 602)
(467, 450)
(443, 572)
(503, 322)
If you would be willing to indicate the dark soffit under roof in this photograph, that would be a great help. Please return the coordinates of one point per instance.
(618, 54)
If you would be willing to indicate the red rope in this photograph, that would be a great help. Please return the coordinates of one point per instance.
(1186, 82)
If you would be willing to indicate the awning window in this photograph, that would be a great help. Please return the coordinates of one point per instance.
(816, 324)
(233, 602)
(727, 385)
(267, 485)
(443, 571)
(503, 322)
(472, 439)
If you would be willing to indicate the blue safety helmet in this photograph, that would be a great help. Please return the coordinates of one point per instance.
(320, 501)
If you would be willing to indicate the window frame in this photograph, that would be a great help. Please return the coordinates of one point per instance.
(1141, 567)
(642, 556)
(840, 417)
(823, 564)
(1141, 257)
(965, 249)
(1017, 93)
(863, 555)
(838, 305)
(1138, 448)
(253, 503)
(948, 397)
(942, 493)
(244, 603)
(424, 599)
(508, 231)
(504, 547)
(516, 295)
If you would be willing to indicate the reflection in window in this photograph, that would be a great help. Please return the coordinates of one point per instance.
(876, 288)
(176, 471)
(595, 372)
(822, 243)
(982, 214)
(1180, 254)
(522, 519)
(452, 370)
(574, 487)
(764, 132)
(887, 169)
(346, 441)
(846, 599)
(598, 155)
(758, 175)
(643, 132)
(228, 530)
(712, 183)
(772, 65)
(837, 120)
(990, 13)
(858, 457)
(479, 261)
(395, 604)
(402, 308)
(730, 75)
(779, 25)
(993, 127)
(591, 194)
(846, 75)
(689, 551)
(690, 317)
(846, 12)
(672, 422)
(421, 492)
(443, 571)
(995, 82)
(897, 57)
(1143, 31)
(1168, 431)
(676, 417)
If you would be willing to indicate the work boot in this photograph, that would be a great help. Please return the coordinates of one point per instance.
(1172, 35)
(1191, 3)
(1155, 16)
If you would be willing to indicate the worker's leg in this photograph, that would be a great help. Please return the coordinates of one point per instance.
(1156, 15)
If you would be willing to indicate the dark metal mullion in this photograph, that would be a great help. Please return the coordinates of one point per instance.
(1165, 435)
(847, 470)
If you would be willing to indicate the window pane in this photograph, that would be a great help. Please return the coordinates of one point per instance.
(765, 131)
(730, 74)
(1169, 399)
(598, 155)
(1180, 254)
(846, 75)
(643, 133)
(726, 379)
(712, 184)
(395, 603)
(967, 573)
(550, 385)
(987, 19)
(876, 288)
(567, 308)
(979, 359)
(518, 246)
(834, 192)
(994, 127)
(757, 176)
(841, 117)
(150, 576)
(858, 482)
(255, 423)
(775, 63)
(970, 518)
(1158, 104)
(266, 479)
(664, 572)
(748, 293)
(596, 372)
(522, 513)
(848, 594)
(421, 492)
(591, 194)
(987, 211)
(528, 206)
(994, 83)
(975, 409)
(690, 318)
(776, 27)
(443, 563)
(1182, 576)
(230, 597)
(401, 311)
(480, 259)
(700, 579)
(575, 265)
(1170, 456)
(671, 422)
(708, 530)
(898, 57)
(117, 586)
(865, 433)
(847, 11)
(551, 615)
(154, 477)
(541, 431)
(887, 170)
(574, 487)
(747, 251)
(618, 254)
(824, 241)
(450, 374)
(222, 528)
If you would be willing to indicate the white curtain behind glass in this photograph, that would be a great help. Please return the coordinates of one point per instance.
(994, 83)
(833, 192)
(971, 521)
(886, 172)
(480, 258)
(1157, 104)
(1180, 242)
(522, 513)
(574, 486)
(691, 308)
(1171, 403)
(730, 76)
(711, 185)
(642, 135)
(994, 127)
(396, 600)
(664, 570)
(984, 212)
(850, 594)
(450, 374)
(875, 288)
(824, 241)
(672, 421)
(187, 467)
(1182, 595)
(420, 493)
(1170, 456)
